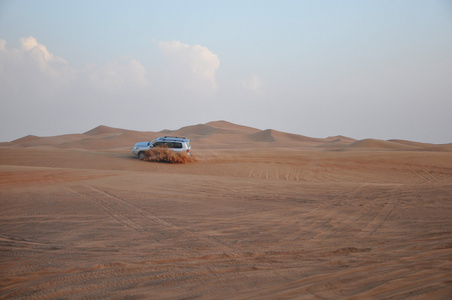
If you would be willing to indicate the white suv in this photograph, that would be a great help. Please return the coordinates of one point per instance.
(177, 144)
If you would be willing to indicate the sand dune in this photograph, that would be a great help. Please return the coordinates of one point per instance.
(33, 141)
(219, 135)
(426, 146)
(26, 139)
(231, 126)
(105, 130)
(373, 143)
(261, 214)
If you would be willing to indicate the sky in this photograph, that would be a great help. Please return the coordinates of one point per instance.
(364, 69)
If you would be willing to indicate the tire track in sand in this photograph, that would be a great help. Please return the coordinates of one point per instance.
(329, 219)
(145, 222)
(426, 176)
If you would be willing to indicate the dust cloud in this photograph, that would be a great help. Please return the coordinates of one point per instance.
(168, 156)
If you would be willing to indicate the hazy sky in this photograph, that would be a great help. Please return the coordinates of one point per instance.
(364, 69)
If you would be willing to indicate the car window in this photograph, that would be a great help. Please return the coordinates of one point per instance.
(173, 145)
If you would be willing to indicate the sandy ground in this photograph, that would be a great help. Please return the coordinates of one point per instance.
(266, 223)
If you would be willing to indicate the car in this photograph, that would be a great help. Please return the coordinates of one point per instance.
(173, 143)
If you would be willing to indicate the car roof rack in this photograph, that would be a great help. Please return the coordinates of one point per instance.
(174, 137)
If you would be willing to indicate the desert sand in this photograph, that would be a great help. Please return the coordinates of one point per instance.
(261, 214)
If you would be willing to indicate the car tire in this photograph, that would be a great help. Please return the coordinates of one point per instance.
(141, 155)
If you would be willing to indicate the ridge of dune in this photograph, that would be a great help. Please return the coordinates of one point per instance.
(209, 128)
(99, 138)
(411, 143)
(52, 140)
(102, 129)
(216, 134)
(127, 139)
(340, 139)
(424, 146)
(376, 143)
(231, 126)
(295, 137)
(419, 144)
(198, 130)
(26, 139)
(279, 137)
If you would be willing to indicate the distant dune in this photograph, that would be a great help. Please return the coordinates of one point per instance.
(26, 139)
(215, 135)
(373, 143)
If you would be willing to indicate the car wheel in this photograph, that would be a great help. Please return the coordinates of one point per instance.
(141, 155)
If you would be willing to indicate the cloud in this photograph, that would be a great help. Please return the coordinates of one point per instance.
(2, 45)
(31, 67)
(30, 44)
(116, 75)
(253, 84)
(192, 66)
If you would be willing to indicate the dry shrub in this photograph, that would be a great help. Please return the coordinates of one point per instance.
(168, 156)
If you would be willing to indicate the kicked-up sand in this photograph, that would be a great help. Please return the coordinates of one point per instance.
(254, 220)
